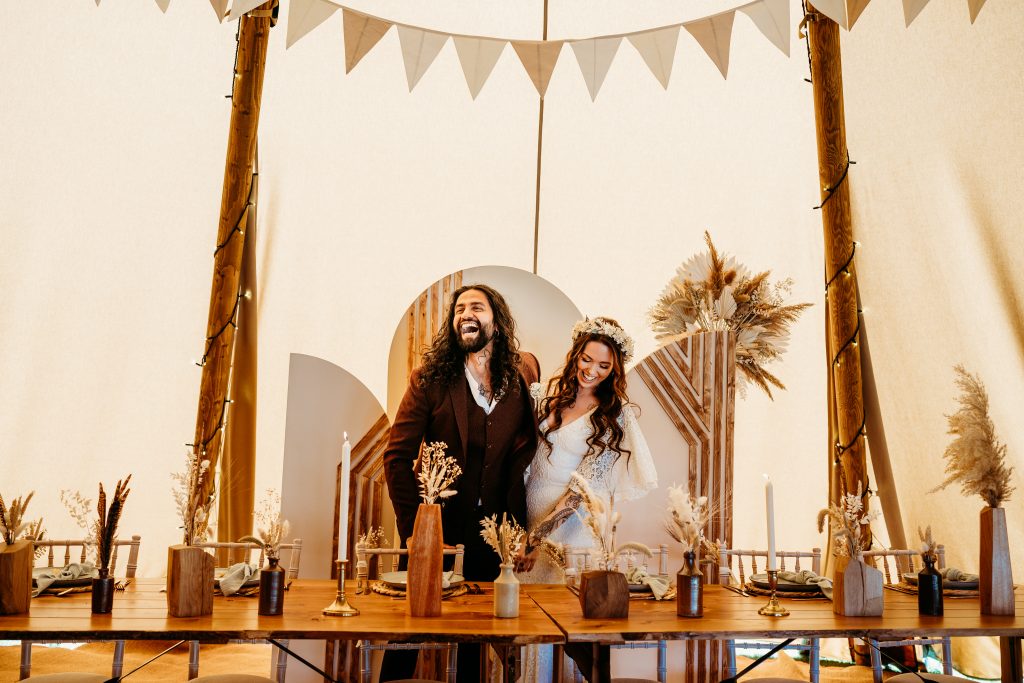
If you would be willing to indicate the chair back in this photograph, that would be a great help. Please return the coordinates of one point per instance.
(369, 560)
(82, 547)
(579, 559)
(895, 562)
(747, 560)
(235, 552)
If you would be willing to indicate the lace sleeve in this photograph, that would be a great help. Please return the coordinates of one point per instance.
(626, 478)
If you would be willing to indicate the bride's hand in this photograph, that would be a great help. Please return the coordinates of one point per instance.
(524, 561)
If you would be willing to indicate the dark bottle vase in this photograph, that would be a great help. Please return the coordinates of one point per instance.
(690, 588)
(103, 593)
(929, 589)
(272, 589)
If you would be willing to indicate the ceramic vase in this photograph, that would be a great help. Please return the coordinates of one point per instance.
(272, 589)
(929, 588)
(506, 594)
(690, 588)
(103, 592)
(426, 548)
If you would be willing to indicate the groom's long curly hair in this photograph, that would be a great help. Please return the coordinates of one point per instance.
(611, 396)
(444, 362)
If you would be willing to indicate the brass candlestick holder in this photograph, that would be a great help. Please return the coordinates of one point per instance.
(773, 608)
(340, 607)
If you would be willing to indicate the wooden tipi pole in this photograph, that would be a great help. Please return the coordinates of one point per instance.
(841, 297)
(250, 61)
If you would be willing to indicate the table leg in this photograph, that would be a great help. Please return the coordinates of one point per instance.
(601, 667)
(510, 657)
(1012, 663)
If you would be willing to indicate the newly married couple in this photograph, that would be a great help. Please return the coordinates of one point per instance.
(473, 393)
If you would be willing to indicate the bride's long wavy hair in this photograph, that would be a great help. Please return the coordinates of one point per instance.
(611, 396)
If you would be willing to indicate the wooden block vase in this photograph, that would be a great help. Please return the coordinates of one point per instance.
(426, 549)
(16, 577)
(857, 589)
(189, 581)
(604, 595)
(995, 578)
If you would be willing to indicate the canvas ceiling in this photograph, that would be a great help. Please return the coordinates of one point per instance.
(114, 130)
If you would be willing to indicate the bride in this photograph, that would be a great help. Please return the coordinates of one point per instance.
(587, 426)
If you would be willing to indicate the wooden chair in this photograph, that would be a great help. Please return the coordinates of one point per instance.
(81, 547)
(894, 563)
(368, 562)
(234, 553)
(727, 557)
(579, 560)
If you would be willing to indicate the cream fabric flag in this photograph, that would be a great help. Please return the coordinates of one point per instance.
(220, 7)
(595, 58)
(539, 58)
(975, 7)
(714, 35)
(658, 49)
(419, 50)
(361, 34)
(240, 7)
(772, 19)
(304, 16)
(843, 12)
(478, 56)
(162, 4)
(911, 8)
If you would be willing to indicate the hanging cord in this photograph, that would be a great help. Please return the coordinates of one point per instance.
(116, 679)
(830, 189)
(802, 33)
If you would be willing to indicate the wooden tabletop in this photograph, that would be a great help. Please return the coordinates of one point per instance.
(140, 612)
(729, 615)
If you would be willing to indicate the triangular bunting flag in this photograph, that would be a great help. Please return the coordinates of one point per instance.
(162, 4)
(419, 49)
(539, 59)
(772, 19)
(240, 7)
(304, 16)
(478, 58)
(97, 3)
(361, 34)
(714, 35)
(975, 7)
(220, 7)
(843, 12)
(658, 49)
(911, 8)
(595, 58)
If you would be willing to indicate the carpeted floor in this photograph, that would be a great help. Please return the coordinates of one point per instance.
(242, 658)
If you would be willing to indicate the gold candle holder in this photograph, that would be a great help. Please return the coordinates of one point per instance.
(341, 607)
(773, 608)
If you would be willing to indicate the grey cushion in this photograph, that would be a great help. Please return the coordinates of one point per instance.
(69, 677)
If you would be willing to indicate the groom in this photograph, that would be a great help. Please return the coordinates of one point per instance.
(472, 393)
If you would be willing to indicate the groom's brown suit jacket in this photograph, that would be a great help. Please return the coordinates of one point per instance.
(440, 412)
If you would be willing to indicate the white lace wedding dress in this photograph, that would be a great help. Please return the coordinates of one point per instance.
(547, 481)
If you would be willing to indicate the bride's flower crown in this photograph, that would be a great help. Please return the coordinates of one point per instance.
(606, 329)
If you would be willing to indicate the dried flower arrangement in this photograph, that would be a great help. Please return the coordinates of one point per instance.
(602, 521)
(192, 503)
(506, 538)
(847, 520)
(688, 516)
(713, 291)
(437, 472)
(36, 532)
(12, 519)
(271, 527)
(976, 458)
(105, 528)
(929, 548)
(374, 538)
(555, 552)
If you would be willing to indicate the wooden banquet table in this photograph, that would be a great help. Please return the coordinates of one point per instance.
(548, 614)
(728, 615)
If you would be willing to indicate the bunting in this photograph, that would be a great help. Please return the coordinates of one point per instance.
(595, 58)
(478, 57)
(304, 17)
(658, 50)
(419, 49)
(714, 34)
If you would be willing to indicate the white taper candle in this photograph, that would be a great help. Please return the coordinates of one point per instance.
(769, 503)
(346, 467)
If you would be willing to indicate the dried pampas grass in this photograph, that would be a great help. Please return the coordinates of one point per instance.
(12, 524)
(975, 458)
(603, 521)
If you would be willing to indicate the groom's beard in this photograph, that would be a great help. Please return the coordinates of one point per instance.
(477, 343)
